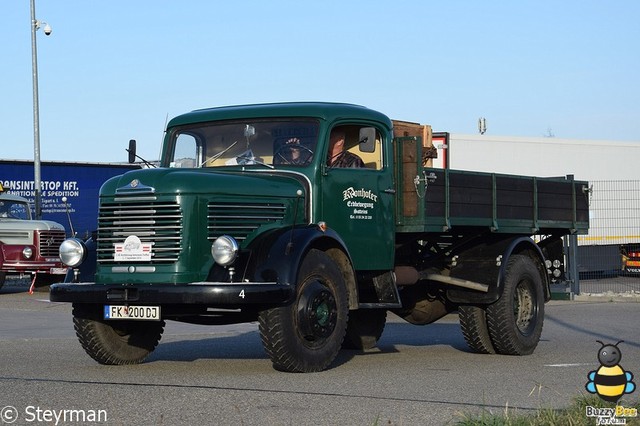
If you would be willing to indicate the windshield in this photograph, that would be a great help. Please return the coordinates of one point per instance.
(14, 210)
(271, 143)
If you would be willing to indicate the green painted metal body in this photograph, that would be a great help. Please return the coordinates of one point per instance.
(365, 208)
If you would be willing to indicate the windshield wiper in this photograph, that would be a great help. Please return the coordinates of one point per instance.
(218, 155)
(248, 158)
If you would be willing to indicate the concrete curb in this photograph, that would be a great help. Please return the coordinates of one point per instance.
(632, 297)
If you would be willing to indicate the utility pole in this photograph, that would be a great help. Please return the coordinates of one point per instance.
(35, 25)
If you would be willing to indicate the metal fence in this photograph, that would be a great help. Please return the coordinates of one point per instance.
(608, 258)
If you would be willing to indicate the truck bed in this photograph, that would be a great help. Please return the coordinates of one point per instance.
(437, 200)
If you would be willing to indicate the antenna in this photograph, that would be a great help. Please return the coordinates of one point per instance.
(66, 205)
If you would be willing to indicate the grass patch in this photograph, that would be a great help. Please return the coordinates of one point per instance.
(574, 415)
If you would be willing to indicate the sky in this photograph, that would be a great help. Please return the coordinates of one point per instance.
(120, 69)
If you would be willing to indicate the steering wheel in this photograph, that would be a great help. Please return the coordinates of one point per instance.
(304, 155)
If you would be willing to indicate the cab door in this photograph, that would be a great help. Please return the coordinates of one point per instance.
(358, 202)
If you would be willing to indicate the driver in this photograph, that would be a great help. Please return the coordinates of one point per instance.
(338, 155)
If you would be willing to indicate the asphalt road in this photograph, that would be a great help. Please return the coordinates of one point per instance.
(221, 375)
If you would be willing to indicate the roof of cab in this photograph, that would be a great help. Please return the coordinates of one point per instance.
(328, 111)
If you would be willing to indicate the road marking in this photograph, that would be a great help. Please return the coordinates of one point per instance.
(567, 365)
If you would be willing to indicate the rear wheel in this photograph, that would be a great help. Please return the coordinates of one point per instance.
(515, 320)
(306, 335)
(473, 323)
(118, 342)
(3, 277)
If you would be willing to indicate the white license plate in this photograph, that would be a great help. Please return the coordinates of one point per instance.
(112, 312)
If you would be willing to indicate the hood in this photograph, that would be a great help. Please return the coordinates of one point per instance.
(256, 183)
(29, 225)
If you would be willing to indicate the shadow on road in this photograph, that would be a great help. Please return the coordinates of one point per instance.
(249, 346)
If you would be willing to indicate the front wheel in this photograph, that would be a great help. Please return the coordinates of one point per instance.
(515, 320)
(306, 335)
(118, 342)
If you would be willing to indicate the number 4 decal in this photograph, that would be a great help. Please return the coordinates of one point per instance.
(241, 294)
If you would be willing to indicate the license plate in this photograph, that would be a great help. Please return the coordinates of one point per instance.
(113, 312)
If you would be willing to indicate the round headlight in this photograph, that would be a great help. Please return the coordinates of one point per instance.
(27, 252)
(547, 263)
(72, 252)
(556, 263)
(224, 250)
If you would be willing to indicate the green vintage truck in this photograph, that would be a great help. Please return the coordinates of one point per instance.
(250, 218)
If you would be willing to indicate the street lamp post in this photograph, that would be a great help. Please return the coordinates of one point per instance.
(35, 25)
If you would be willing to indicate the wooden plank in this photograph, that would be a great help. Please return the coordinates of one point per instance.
(424, 131)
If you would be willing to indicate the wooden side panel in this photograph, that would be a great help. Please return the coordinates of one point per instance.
(413, 160)
(409, 172)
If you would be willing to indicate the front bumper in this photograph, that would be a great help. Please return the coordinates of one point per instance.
(28, 268)
(201, 293)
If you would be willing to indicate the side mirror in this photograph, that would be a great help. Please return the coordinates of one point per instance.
(132, 151)
(367, 139)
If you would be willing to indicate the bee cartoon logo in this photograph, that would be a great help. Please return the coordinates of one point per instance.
(610, 381)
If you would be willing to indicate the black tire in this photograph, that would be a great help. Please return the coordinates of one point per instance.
(117, 342)
(306, 335)
(473, 323)
(3, 277)
(364, 328)
(515, 320)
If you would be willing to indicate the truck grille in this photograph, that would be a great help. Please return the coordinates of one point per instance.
(240, 219)
(155, 222)
(49, 242)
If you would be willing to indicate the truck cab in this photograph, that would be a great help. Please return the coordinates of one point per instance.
(292, 141)
(27, 246)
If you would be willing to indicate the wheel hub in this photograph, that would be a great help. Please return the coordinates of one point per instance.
(524, 308)
(317, 312)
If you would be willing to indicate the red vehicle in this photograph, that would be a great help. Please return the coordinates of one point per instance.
(28, 247)
(631, 259)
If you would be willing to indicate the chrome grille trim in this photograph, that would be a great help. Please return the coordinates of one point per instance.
(49, 242)
(240, 219)
(156, 222)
